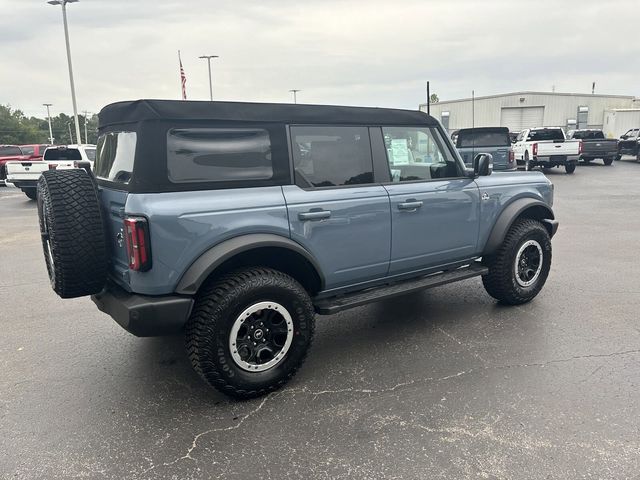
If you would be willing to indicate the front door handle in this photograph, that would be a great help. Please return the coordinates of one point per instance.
(410, 205)
(314, 215)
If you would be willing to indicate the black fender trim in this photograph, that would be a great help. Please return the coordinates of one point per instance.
(510, 214)
(199, 270)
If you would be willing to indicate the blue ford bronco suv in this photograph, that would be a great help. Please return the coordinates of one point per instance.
(236, 223)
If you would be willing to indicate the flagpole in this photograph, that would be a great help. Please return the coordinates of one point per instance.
(183, 78)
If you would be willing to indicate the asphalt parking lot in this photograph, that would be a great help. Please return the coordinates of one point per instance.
(439, 384)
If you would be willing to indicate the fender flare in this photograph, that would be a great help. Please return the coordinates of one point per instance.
(211, 259)
(509, 215)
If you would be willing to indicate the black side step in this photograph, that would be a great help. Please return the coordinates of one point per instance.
(329, 306)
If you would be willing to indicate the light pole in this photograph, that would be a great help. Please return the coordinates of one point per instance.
(49, 120)
(294, 91)
(63, 3)
(70, 135)
(209, 57)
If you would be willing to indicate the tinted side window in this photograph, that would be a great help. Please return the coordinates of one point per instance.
(115, 154)
(325, 156)
(218, 154)
(418, 153)
(27, 150)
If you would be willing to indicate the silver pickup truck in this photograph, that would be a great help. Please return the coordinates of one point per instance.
(546, 147)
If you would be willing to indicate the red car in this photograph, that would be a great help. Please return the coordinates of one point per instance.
(9, 153)
(34, 152)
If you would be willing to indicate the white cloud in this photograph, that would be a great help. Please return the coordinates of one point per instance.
(359, 52)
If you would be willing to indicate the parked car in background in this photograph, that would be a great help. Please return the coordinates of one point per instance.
(34, 152)
(629, 143)
(7, 154)
(546, 147)
(493, 140)
(86, 152)
(237, 222)
(595, 145)
(24, 174)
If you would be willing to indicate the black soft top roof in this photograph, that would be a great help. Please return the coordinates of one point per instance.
(143, 110)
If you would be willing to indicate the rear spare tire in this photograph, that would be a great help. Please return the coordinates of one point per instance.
(72, 232)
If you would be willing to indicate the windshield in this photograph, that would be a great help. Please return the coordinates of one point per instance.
(546, 134)
(62, 154)
(479, 138)
(587, 134)
(9, 151)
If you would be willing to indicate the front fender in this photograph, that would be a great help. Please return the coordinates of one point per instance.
(528, 207)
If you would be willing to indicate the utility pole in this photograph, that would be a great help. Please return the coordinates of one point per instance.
(49, 120)
(86, 137)
(208, 58)
(63, 3)
(294, 91)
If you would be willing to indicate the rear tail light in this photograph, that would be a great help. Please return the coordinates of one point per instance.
(535, 149)
(53, 166)
(512, 156)
(138, 246)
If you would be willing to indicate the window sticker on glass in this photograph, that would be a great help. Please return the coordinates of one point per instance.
(399, 151)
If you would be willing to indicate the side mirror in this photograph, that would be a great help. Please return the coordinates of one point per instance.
(482, 164)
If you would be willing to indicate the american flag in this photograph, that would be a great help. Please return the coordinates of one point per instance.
(183, 79)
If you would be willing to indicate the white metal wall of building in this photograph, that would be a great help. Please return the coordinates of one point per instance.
(618, 122)
(523, 109)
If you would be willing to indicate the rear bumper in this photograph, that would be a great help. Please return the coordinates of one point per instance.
(555, 160)
(142, 315)
(23, 183)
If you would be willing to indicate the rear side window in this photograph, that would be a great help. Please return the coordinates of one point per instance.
(53, 154)
(483, 139)
(115, 154)
(325, 156)
(91, 153)
(28, 150)
(218, 154)
(587, 134)
(545, 134)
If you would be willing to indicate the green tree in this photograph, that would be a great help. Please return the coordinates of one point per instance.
(433, 98)
(16, 128)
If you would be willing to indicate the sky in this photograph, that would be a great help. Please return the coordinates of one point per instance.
(373, 53)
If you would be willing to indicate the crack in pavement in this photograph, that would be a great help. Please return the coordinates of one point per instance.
(315, 394)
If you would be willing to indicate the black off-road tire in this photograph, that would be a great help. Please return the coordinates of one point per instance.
(220, 303)
(501, 281)
(570, 167)
(32, 193)
(72, 231)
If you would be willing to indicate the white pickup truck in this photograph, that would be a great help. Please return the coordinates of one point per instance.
(25, 174)
(546, 147)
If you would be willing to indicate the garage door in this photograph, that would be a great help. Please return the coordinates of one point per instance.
(519, 118)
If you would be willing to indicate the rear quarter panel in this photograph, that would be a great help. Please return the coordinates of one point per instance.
(183, 225)
(501, 189)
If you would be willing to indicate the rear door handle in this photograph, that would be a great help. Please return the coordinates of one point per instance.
(411, 205)
(314, 215)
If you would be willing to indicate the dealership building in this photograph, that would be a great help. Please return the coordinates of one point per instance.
(615, 114)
